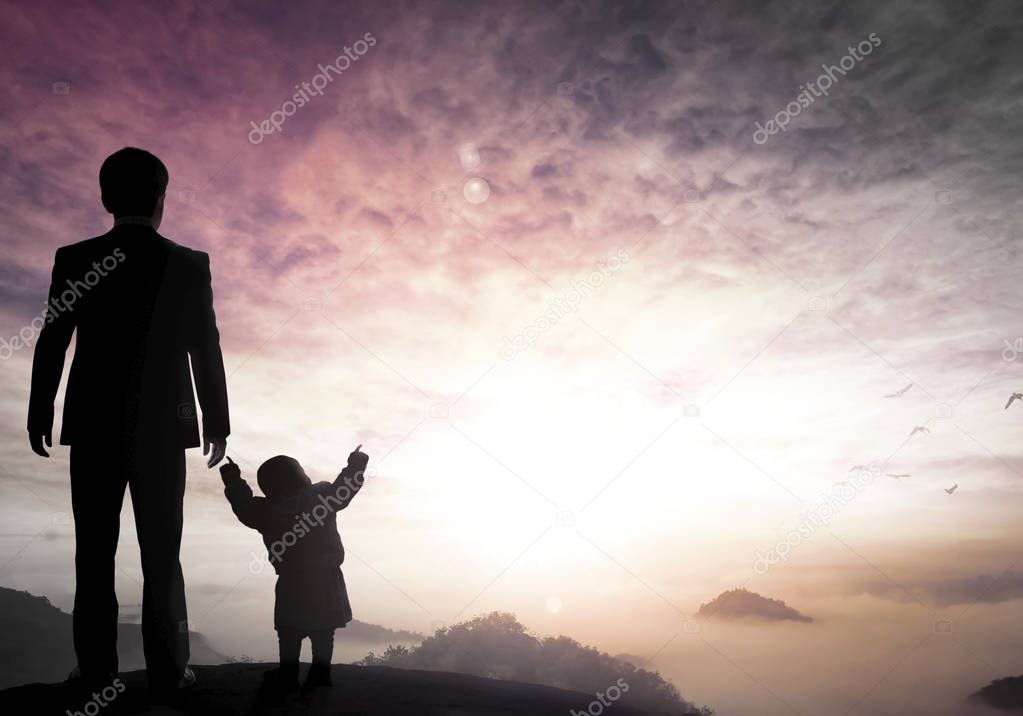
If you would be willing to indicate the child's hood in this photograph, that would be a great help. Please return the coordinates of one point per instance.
(282, 477)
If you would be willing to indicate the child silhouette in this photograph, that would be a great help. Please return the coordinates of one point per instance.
(298, 522)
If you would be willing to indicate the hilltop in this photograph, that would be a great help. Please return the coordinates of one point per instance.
(234, 689)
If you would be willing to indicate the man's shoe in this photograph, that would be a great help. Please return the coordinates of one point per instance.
(76, 676)
(164, 692)
(187, 679)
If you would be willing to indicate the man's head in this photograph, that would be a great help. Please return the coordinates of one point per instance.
(281, 477)
(133, 183)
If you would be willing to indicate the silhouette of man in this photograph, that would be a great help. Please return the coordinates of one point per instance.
(141, 306)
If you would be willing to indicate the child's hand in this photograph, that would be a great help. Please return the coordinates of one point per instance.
(358, 460)
(230, 470)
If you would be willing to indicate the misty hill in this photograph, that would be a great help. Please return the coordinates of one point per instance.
(375, 634)
(1005, 694)
(37, 643)
(737, 604)
(562, 674)
(498, 646)
(235, 689)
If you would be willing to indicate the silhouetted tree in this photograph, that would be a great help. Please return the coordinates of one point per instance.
(497, 646)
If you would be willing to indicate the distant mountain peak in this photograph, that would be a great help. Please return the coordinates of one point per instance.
(741, 603)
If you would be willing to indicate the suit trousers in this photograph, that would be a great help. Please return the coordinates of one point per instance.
(156, 478)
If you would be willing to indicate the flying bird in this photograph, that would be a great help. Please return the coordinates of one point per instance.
(842, 483)
(952, 489)
(899, 476)
(919, 429)
(899, 393)
(858, 468)
(1014, 396)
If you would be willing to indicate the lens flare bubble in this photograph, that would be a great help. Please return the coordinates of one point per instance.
(469, 156)
(476, 190)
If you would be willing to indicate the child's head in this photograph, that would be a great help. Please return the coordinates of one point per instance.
(280, 477)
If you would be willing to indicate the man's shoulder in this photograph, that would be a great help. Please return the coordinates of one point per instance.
(185, 252)
(83, 247)
(108, 240)
(188, 261)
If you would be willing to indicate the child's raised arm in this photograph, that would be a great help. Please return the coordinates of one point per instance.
(248, 509)
(348, 482)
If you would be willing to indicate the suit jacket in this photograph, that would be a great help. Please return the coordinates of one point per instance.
(141, 305)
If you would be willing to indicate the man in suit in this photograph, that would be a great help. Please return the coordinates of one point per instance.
(141, 306)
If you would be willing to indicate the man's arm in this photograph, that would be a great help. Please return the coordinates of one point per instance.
(208, 367)
(48, 360)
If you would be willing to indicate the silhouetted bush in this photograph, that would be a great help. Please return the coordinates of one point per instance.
(497, 646)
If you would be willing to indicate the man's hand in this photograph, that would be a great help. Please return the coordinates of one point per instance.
(215, 448)
(358, 460)
(36, 441)
(230, 471)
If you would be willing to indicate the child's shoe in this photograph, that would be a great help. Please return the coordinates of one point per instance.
(318, 676)
(281, 681)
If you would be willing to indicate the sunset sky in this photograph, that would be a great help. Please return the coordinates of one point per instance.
(460, 181)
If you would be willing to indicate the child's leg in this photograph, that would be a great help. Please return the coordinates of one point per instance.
(323, 647)
(290, 643)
